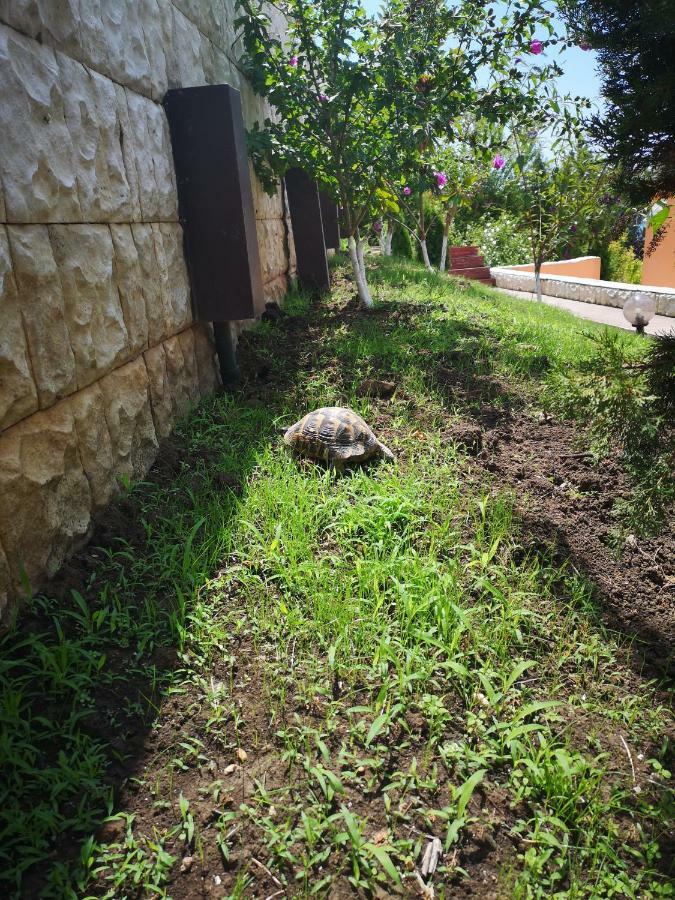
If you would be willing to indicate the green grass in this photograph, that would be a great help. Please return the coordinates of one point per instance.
(389, 640)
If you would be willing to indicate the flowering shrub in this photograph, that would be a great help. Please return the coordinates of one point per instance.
(502, 241)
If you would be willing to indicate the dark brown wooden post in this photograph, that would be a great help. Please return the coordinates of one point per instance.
(329, 218)
(310, 248)
(216, 202)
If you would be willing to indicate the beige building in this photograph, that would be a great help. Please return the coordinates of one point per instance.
(99, 351)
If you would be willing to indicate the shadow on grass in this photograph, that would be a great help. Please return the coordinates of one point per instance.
(84, 669)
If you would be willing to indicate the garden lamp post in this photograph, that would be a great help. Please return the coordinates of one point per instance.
(639, 310)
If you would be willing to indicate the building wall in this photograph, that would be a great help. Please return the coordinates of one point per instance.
(579, 267)
(658, 267)
(99, 353)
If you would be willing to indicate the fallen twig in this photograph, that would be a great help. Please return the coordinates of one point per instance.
(630, 757)
(432, 854)
(267, 871)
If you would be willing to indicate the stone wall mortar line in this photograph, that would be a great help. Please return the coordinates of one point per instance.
(79, 390)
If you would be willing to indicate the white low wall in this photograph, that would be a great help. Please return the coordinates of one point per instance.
(588, 290)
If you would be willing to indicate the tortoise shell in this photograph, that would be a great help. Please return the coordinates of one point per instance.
(336, 435)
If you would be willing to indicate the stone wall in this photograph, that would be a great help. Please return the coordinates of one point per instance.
(588, 290)
(99, 353)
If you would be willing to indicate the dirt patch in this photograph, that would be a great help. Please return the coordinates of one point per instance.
(567, 503)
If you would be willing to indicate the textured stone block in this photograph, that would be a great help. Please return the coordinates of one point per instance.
(90, 103)
(185, 66)
(174, 283)
(45, 499)
(18, 394)
(126, 54)
(166, 209)
(207, 362)
(190, 373)
(160, 391)
(128, 147)
(56, 24)
(210, 17)
(275, 290)
(157, 315)
(95, 445)
(266, 207)
(179, 387)
(127, 411)
(128, 279)
(37, 164)
(98, 335)
(271, 240)
(150, 152)
(157, 18)
(3, 209)
(43, 311)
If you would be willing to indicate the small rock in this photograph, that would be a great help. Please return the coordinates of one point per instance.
(111, 832)
(186, 865)
(374, 387)
(545, 418)
(632, 542)
(242, 755)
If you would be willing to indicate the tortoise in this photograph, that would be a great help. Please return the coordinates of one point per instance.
(336, 435)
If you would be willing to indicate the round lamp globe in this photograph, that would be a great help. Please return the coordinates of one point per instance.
(639, 310)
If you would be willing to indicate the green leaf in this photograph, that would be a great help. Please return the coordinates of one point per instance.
(465, 792)
(376, 728)
(384, 860)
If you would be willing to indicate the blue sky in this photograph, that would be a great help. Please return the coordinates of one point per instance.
(580, 78)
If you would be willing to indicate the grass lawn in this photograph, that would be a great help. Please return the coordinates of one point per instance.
(264, 679)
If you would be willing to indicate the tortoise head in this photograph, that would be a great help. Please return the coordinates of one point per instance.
(290, 433)
(385, 451)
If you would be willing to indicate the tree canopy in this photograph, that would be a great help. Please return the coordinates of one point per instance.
(636, 50)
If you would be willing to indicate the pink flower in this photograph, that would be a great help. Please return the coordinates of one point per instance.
(377, 226)
(293, 61)
(584, 45)
(536, 47)
(406, 191)
(498, 162)
(323, 97)
(441, 179)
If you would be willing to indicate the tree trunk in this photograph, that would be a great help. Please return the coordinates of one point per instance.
(425, 256)
(537, 280)
(391, 229)
(444, 245)
(359, 254)
(361, 285)
(383, 241)
(444, 250)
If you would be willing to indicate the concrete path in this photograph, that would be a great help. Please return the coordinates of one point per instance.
(605, 315)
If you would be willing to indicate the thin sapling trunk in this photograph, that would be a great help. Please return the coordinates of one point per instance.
(537, 278)
(361, 285)
(422, 235)
(444, 244)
